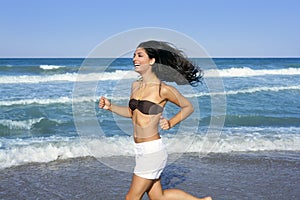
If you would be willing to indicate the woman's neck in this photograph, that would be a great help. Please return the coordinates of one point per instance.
(149, 78)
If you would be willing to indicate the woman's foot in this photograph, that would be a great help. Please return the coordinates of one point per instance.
(206, 198)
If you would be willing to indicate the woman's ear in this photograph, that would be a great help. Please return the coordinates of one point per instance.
(152, 61)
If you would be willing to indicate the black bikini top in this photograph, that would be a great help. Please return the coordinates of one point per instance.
(145, 106)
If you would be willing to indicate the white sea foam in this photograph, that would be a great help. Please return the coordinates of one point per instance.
(51, 67)
(249, 90)
(62, 100)
(69, 77)
(24, 124)
(123, 74)
(21, 151)
(264, 89)
(248, 72)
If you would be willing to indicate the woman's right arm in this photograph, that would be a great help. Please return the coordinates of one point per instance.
(105, 104)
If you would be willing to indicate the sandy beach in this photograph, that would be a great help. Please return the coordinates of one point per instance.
(273, 175)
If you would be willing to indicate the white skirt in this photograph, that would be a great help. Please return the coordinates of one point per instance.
(150, 158)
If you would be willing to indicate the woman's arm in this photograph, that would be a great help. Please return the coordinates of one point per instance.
(105, 104)
(174, 96)
(124, 111)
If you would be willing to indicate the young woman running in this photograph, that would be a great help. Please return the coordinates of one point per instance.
(155, 61)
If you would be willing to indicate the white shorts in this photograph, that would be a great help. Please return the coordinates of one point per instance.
(150, 159)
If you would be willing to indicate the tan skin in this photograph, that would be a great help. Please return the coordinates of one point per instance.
(146, 126)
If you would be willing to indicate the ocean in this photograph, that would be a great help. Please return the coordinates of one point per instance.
(56, 144)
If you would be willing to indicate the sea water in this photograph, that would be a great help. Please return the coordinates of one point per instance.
(262, 108)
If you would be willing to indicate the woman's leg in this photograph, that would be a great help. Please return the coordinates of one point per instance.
(156, 193)
(138, 187)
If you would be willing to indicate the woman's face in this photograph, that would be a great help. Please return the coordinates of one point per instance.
(141, 60)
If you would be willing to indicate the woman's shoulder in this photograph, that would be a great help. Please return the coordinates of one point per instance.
(166, 89)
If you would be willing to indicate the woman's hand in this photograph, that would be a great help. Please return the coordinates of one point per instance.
(104, 103)
(164, 123)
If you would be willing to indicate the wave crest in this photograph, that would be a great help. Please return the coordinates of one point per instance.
(52, 148)
(248, 72)
(125, 74)
(51, 67)
(26, 124)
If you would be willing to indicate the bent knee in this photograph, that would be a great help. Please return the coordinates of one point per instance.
(130, 196)
(156, 197)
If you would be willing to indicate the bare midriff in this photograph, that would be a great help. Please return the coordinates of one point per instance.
(147, 139)
(145, 127)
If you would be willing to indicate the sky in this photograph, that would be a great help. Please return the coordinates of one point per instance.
(225, 28)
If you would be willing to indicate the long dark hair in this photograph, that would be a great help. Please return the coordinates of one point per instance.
(169, 57)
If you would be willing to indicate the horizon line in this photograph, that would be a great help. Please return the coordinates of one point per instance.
(53, 57)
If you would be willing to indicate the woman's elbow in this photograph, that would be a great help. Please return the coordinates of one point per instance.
(190, 109)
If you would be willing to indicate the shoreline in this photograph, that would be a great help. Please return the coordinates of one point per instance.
(263, 175)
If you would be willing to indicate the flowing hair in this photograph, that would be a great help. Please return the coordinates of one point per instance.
(171, 64)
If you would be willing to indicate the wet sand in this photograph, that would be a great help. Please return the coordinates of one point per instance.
(268, 175)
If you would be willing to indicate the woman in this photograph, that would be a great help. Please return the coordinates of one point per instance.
(155, 61)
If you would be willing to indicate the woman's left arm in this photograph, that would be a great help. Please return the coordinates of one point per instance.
(174, 96)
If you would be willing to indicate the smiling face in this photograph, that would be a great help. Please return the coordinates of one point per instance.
(142, 62)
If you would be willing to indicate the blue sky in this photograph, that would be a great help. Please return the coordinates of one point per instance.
(225, 28)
